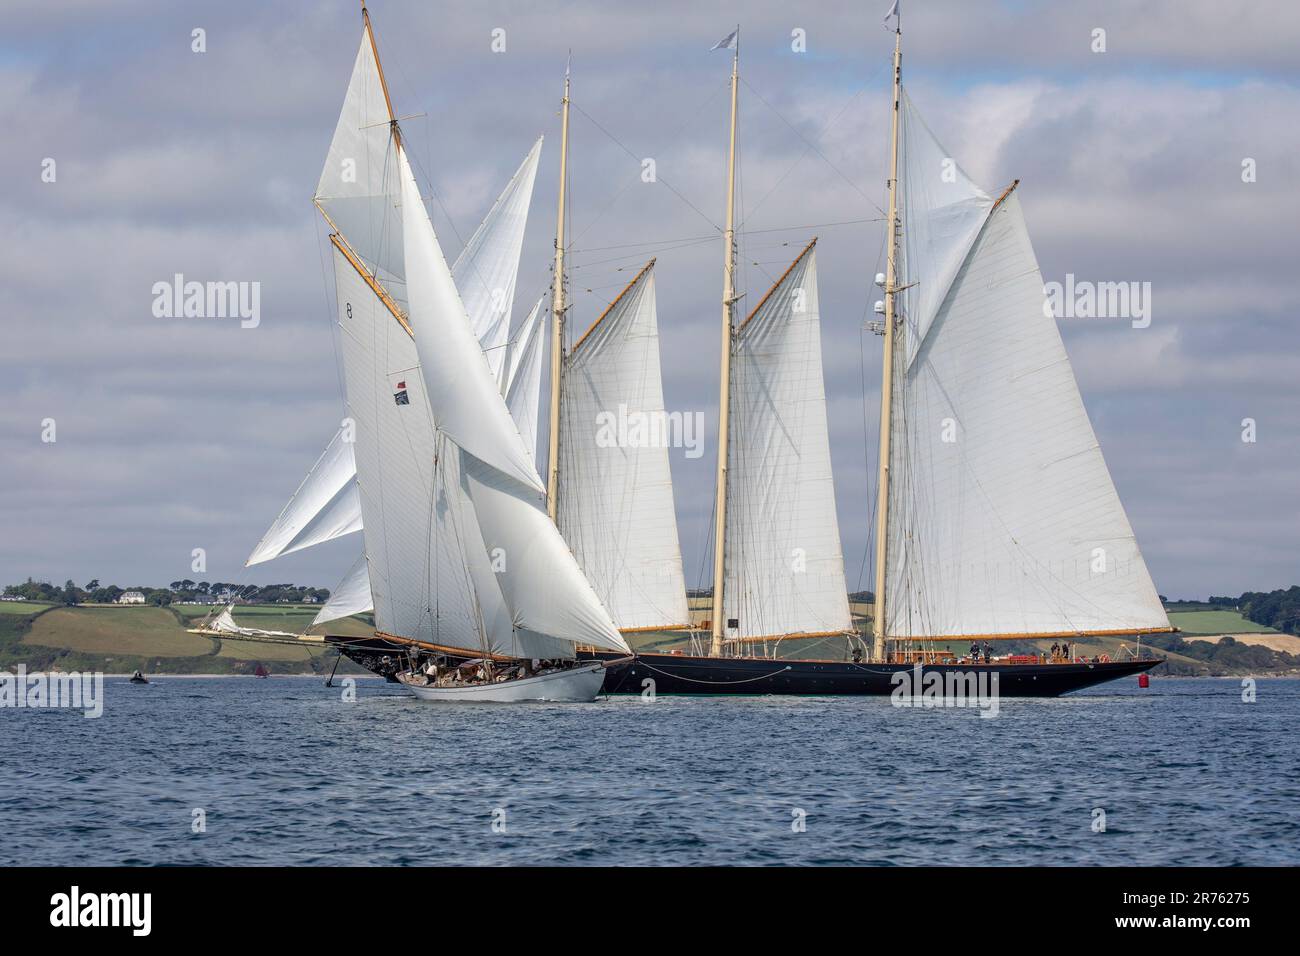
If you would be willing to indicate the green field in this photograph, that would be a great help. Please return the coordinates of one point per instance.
(155, 639)
(1216, 622)
(22, 608)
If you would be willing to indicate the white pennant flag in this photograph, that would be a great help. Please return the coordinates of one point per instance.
(726, 43)
(893, 11)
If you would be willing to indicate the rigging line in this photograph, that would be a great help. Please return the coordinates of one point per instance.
(332, 318)
(807, 148)
(752, 232)
(658, 178)
(813, 147)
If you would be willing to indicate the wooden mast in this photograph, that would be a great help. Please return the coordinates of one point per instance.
(887, 375)
(724, 389)
(557, 315)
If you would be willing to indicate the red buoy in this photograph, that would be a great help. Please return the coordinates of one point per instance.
(1144, 680)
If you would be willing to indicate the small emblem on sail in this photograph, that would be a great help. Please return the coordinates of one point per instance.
(400, 396)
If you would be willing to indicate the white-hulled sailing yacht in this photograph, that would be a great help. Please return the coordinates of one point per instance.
(461, 558)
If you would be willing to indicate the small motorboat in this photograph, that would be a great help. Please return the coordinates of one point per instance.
(138, 678)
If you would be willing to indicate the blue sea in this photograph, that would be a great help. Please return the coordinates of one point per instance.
(285, 771)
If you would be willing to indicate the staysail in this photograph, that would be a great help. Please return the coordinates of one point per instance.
(486, 269)
(325, 506)
(526, 356)
(615, 505)
(350, 596)
(784, 564)
(1003, 518)
(539, 578)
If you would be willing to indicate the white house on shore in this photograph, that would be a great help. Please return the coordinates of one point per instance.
(130, 597)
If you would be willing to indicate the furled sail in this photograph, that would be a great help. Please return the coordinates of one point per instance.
(462, 391)
(1003, 518)
(784, 565)
(350, 596)
(325, 506)
(525, 359)
(616, 493)
(359, 186)
(486, 269)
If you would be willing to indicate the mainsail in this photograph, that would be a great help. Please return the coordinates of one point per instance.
(784, 565)
(325, 506)
(615, 505)
(1003, 518)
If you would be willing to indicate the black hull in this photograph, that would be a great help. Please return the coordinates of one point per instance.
(680, 674)
(749, 676)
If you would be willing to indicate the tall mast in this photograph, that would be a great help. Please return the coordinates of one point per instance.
(557, 314)
(724, 389)
(887, 375)
(383, 83)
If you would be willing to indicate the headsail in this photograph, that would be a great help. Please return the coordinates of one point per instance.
(784, 564)
(350, 596)
(325, 506)
(1003, 517)
(539, 578)
(463, 394)
(524, 362)
(486, 269)
(616, 506)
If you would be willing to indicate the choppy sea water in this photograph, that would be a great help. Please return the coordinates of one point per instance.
(286, 772)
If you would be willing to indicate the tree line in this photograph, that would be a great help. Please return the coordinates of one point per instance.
(176, 592)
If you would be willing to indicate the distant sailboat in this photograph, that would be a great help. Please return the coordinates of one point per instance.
(261, 671)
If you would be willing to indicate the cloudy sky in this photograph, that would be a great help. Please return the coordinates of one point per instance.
(175, 434)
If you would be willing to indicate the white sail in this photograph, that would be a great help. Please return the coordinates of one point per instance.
(542, 583)
(419, 582)
(616, 492)
(350, 596)
(463, 393)
(539, 578)
(501, 229)
(784, 565)
(949, 212)
(224, 623)
(525, 360)
(486, 269)
(325, 506)
(1003, 518)
(359, 185)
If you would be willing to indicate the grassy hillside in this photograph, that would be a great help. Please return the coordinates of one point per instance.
(1216, 622)
(154, 640)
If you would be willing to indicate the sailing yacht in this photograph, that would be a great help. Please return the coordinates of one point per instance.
(461, 558)
(1013, 531)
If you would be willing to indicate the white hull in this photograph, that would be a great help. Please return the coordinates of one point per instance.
(574, 684)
